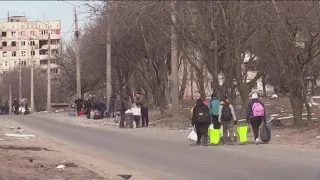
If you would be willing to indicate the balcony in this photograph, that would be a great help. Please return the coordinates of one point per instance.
(52, 46)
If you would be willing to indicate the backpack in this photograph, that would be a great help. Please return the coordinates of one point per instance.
(226, 114)
(202, 116)
(257, 109)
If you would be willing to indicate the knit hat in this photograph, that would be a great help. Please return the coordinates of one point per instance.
(254, 96)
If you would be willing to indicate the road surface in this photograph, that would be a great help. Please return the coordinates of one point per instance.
(173, 154)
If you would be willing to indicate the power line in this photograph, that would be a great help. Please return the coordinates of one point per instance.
(68, 31)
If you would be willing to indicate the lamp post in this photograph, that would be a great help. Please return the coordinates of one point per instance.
(31, 81)
(76, 49)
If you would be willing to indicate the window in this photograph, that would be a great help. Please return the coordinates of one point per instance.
(15, 62)
(4, 54)
(31, 33)
(32, 43)
(54, 71)
(33, 53)
(22, 33)
(4, 43)
(23, 53)
(13, 33)
(14, 54)
(23, 63)
(13, 43)
(23, 43)
(4, 34)
(5, 63)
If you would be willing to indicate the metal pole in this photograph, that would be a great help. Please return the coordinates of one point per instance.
(20, 86)
(10, 92)
(108, 60)
(49, 74)
(77, 44)
(31, 83)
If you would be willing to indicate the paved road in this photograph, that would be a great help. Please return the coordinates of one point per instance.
(176, 156)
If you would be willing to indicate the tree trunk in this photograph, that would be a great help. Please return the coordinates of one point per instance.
(184, 80)
(244, 94)
(264, 85)
(201, 88)
(191, 82)
(297, 108)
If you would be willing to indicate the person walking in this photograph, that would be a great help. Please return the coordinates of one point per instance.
(214, 106)
(15, 106)
(255, 115)
(227, 118)
(124, 106)
(88, 106)
(201, 121)
(143, 104)
(112, 104)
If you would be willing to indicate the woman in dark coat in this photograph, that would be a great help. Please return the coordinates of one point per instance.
(201, 121)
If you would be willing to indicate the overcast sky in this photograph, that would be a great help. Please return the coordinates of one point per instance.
(48, 10)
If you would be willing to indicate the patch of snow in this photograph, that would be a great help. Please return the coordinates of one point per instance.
(19, 135)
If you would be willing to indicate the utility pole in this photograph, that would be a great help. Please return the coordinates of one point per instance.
(10, 92)
(49, 74)
(77, 42)
(174, 65)
(108, 60)
(31, 82)
(20, 86)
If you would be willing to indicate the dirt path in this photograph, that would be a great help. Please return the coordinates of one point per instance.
(37, 158)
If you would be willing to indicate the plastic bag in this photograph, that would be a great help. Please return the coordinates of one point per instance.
(265, 133)
(193, 135)
(214, 135)
(136, 111)
(243, 133)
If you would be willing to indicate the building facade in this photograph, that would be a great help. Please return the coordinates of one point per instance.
(23, 42)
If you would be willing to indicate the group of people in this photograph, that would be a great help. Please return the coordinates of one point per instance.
(221, 113)
(20, 107)
(139, 101)
(4, 108)
(91, 105)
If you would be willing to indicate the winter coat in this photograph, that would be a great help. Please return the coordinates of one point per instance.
(231, 108)
(141, 101)
(200, 107)
(99, 105)
(214, 106)
(249, 109)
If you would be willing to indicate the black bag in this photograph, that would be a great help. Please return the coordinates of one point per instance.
(226, 114)
(265, 133)
(202, 115)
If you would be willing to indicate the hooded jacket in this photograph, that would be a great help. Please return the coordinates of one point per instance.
(249, 109)
(200, 107)
(231, 108)
(214, 105)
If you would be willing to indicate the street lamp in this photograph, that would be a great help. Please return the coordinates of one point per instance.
(31, 81)
(76, 46)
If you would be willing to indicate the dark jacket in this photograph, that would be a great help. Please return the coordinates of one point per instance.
(99, 105)
(88, 103)
(141, 101)
(200, 107)
(249, 109)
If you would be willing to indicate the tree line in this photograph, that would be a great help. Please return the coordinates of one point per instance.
(281, 39)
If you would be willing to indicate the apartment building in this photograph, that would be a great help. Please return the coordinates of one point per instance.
(26, 41)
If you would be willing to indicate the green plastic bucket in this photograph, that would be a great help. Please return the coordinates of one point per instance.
(243, 133)
(215, 135)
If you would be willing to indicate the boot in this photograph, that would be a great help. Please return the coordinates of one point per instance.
(206, 140)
